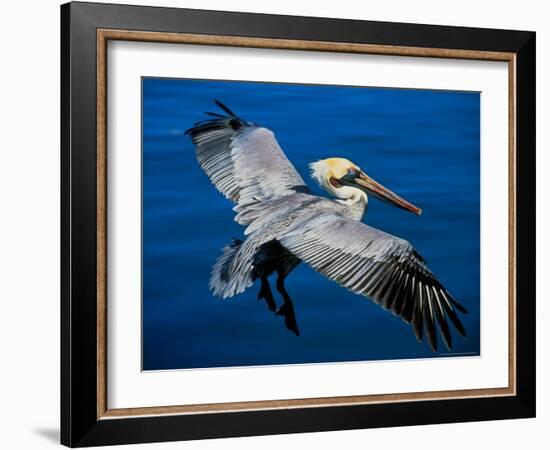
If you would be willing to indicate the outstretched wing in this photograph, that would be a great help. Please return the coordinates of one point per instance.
(243, 160)
(380, 266)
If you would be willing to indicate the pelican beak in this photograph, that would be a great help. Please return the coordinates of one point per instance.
(367, 184)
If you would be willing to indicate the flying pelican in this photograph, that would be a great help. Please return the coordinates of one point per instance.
(286, 224)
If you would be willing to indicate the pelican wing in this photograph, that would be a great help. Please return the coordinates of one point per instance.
(380, 266)
(244, 161)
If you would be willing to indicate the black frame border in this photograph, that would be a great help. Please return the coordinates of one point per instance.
(79, 423)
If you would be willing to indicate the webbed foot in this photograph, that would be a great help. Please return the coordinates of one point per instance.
(265, 293)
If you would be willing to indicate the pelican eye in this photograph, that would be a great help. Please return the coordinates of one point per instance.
(353, 171)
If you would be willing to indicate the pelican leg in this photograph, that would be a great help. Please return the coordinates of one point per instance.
(265, 293)
(287, 308)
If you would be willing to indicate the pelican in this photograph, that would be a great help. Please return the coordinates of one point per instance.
(287, 224)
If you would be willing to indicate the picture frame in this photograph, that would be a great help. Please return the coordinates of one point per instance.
(86, 418)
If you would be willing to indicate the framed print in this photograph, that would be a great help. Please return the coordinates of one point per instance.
(276, 224)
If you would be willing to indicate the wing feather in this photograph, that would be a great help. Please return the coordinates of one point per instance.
(244, 162)
(380, 266)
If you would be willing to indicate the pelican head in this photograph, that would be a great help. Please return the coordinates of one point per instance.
(345, 180)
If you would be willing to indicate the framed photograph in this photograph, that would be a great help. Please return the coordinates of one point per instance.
(277, 224)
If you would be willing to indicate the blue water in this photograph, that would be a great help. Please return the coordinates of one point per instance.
(422, 144)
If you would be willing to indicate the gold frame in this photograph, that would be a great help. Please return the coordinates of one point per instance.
(103, 36)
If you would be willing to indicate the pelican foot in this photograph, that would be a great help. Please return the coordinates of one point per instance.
(266, 294)
(287, 311)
